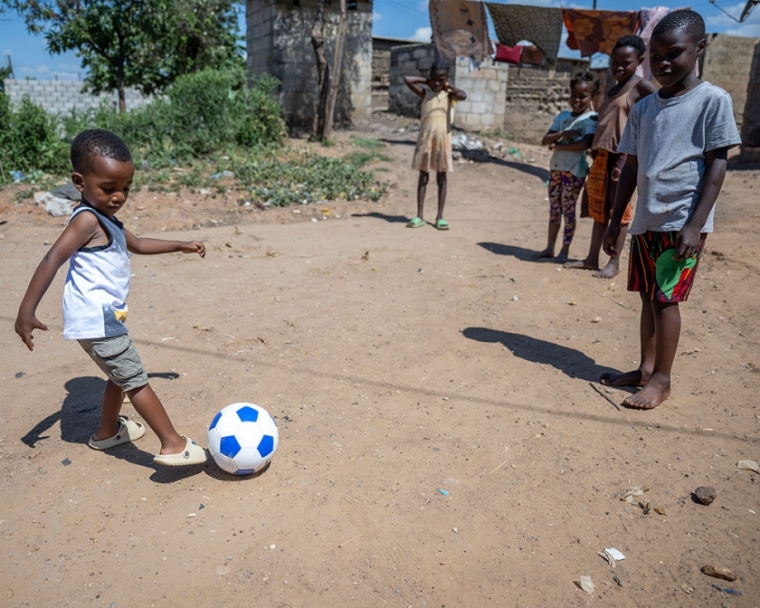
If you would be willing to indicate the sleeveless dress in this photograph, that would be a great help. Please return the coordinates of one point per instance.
(433, 150)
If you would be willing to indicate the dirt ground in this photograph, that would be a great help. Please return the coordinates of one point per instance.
(441, 443)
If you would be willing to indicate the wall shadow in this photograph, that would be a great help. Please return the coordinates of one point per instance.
(479, 157)
(520, 253)
(569, 361)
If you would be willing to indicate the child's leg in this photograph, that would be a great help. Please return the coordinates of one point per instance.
(571, 189)
(592, 259)
(441, 179)
(421, 191)
(109, 412)
(555, 214)
(147, 404)
(648, 344)
(667, 331)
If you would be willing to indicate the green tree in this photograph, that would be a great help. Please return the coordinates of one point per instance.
(142, 43)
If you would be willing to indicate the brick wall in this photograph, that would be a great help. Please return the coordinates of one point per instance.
(279, 43)
(65, 96)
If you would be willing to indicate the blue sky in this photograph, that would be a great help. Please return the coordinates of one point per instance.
(406, 19)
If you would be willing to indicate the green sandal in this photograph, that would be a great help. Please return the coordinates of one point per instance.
(442, 224)
(416, 222)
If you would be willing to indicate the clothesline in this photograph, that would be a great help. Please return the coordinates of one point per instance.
(460, 29)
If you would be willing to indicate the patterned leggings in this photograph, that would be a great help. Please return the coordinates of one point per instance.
(564, 188)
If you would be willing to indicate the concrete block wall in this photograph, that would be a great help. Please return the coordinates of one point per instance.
(279, 43)
(534, 97)
(62, 97)
(486, 89)
(412, 60)
(727, 64)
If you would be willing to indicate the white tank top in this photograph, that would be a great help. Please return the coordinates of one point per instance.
(97, 284)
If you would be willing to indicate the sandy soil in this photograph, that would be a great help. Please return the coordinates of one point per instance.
(398, 363)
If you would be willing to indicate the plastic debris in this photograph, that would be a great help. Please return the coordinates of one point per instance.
(749, 465)
(611, 556)
(687, 589)
(726, 590)
(586, 584)
(221, 174)
(631, 494)
(442, 491)
(66, 462)
(18, 374)
(17, 176)
(719, 572)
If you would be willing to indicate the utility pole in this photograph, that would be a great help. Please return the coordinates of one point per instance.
(335, 80)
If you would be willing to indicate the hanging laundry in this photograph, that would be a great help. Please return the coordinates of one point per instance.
(598, 31)
(507, 54)
(460, 29)
(650, 17)
(542, 26)
(531, 55)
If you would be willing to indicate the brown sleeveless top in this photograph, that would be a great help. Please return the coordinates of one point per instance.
(612, 118)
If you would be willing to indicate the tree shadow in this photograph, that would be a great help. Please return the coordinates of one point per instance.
(569, 361)
(393, 219)
(521, 253)
(403, 142)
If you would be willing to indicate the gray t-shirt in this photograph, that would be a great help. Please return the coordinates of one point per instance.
(670, 137)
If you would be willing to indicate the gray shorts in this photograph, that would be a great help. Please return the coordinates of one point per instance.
(118, 359)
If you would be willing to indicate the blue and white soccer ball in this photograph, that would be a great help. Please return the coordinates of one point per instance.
(242, 438)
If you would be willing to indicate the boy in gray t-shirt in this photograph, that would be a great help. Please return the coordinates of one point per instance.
(677, 142)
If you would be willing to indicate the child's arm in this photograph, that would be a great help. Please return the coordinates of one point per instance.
(412, 82)
(626, 186)
(143, 246)
(641, 90)
(687, 239)
(458, 94)
(576, 146)
(552, 137)
(77, 234)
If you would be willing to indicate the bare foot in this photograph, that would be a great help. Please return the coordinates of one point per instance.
(649, 397)
(546, 253)
(608, 272)
(561, 258)
(634, 378)
(583, 265)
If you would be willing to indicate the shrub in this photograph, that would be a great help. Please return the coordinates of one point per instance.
(29, 140)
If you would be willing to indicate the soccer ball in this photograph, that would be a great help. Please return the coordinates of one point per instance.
(242, 438)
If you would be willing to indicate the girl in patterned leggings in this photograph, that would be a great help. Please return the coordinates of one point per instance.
(569, 137)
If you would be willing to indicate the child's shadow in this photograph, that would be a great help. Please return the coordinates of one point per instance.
(79, 416)
(521, 253)
(569, 361)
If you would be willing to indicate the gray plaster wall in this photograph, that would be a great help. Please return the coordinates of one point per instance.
(63, 97)
(279, 43)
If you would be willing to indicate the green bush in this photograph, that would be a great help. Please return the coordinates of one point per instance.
(205, 112)
(29, 141)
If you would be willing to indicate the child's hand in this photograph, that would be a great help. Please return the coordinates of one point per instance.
(25, 326)
(570, 135)
(687, 242)
(615, 174)
(609, 242)
(194, 247)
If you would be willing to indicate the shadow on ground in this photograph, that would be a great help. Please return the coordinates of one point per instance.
(392, 219)
(568, 360)
(520, 253)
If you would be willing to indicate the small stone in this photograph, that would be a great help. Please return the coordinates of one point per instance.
(719, 572)
(705, 494)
